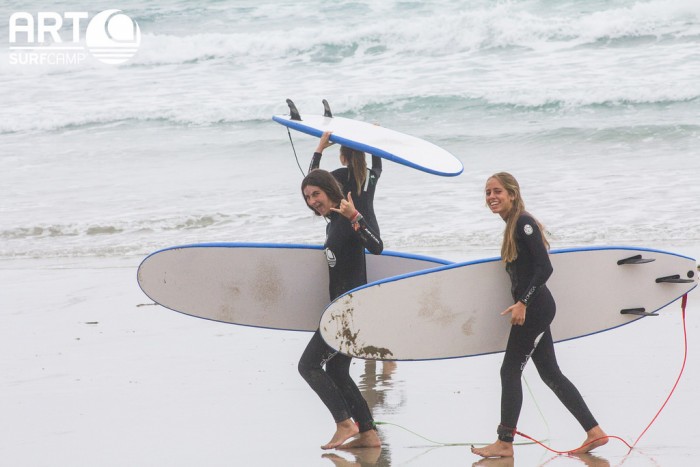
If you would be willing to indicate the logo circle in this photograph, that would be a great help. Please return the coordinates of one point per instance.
(528, 229)
(330, 257)
(112, 37)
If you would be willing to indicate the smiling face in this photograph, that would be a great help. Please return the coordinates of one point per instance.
(317, 199)
(497, 197)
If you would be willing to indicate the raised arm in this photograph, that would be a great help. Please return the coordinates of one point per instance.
(377, 165)
(323, 143)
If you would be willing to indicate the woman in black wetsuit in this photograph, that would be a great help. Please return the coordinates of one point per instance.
(354, 177)
(347, 236)
(524, 251)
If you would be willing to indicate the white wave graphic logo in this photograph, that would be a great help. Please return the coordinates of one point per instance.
(113, 37)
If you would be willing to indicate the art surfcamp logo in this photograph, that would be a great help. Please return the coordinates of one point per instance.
(52, 38)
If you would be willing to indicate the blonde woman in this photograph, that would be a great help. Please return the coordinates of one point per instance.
(525, 254)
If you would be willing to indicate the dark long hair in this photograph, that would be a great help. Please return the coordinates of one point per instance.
(357, 166)
(326, 182)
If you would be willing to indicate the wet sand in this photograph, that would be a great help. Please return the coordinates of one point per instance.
(92, 374)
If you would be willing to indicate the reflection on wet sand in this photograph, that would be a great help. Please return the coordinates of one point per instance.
(375, 386)
(495, 462)
(592, 460)
(586, 458)
(360, 457)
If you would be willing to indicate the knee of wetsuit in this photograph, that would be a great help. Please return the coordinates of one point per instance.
(303, 369)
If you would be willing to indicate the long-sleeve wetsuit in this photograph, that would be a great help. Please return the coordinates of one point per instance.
(528, 274)
(345, 252)
(365, 201)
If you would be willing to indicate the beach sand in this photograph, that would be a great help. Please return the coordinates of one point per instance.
(94, 374)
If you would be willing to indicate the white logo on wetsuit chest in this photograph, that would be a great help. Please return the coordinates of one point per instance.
(330, 257)
(528, 229)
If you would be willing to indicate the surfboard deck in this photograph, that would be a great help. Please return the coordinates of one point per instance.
(454, 311)
(278, 286)
(376, 140)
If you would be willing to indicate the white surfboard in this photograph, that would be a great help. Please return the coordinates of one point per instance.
(454, 311)
(265, 285)
(376, 140)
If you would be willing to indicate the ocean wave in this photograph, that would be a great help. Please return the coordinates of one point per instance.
(210, 66)
(102, 122)
(182, 34)
(56, 231)
(407, 108)
(141, 237)
(465, 104)
(450, 30)
(456, 242)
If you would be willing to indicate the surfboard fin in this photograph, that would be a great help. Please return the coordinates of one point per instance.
(636, 259)
(293, 112)
(326, 109)
(637, 311)
(675, 279)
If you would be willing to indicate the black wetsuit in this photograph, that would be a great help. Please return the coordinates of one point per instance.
(528, 274)
(345, 252)
(364, 203)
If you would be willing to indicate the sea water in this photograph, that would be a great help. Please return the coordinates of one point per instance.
(593, 106)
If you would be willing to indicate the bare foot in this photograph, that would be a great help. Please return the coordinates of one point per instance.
(367, 439)
(343, 432)
(497, 449)
(595, 438)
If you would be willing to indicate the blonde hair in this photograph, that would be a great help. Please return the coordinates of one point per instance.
(357, 166)
(509, 250)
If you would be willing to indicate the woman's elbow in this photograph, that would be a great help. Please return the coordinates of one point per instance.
(376, 248)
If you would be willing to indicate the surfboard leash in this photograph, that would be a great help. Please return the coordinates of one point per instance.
(439, 443)
(684, 302)
(532, 440)
(289, 133)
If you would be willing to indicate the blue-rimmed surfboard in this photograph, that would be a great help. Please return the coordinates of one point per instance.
(454, 311)
(280, 286)
(376, 140)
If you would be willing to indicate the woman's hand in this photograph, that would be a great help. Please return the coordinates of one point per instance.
(517, 313)
(347, 208)
(324, 142)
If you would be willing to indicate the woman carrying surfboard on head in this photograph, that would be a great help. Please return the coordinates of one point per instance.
(354, 177)
(324, 369)
(525, 254)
